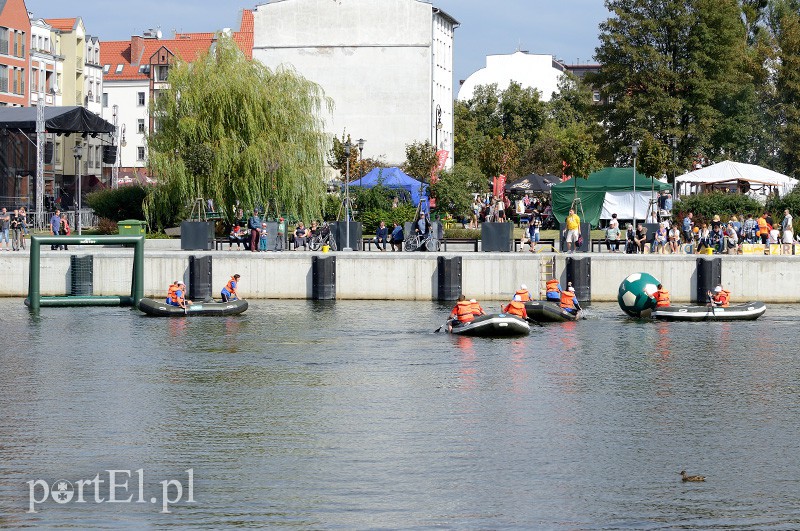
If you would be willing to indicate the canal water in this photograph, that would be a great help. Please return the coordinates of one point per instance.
(356, 415)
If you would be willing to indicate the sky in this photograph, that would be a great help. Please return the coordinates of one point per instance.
(567, 29)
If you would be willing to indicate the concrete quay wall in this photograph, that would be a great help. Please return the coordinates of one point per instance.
(409, 276)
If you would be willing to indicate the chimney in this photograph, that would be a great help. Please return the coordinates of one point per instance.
(137, 49)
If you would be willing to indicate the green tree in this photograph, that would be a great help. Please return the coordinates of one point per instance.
(421, 160)
(454, 188)
(230, 129)
(499, 156)
(785, 24)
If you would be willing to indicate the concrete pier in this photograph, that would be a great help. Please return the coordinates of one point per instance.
(402, 276)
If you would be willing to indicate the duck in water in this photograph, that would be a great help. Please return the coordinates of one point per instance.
(685, 477)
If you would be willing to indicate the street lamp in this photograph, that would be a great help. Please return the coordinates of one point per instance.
(347, 147)
(361, 143)
(77, 153)
(438, 125)
(635, 151)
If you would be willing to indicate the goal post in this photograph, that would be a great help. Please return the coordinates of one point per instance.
(35, 299)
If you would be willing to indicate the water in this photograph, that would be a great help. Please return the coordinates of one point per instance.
(356, 415)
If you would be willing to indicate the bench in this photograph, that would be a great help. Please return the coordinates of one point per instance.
(462, 241)
(518, 246)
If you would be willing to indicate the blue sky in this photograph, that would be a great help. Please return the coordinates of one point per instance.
(564, 28)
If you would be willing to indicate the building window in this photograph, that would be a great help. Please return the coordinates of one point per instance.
(162, 73)
(596, 96)
(3, 78)
(105, 99)
(140, 125)
(140, 99)
(4, 41)
(90, 157)
(98, 157)
(58, 153)
(106, 68)
(119, 69)
(140, 153)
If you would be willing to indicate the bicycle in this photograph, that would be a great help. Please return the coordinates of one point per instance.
(417, 242)
(324, 237)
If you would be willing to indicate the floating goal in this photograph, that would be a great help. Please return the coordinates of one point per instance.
(81, 271)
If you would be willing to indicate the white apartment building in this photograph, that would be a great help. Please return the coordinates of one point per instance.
(386, 64)
(538, 71)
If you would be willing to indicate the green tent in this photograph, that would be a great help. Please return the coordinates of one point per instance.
(607, 191)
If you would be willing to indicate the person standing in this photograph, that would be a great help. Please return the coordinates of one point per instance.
(5, 223)
(281, 235)
(65, 229)
(254, 225)
(688, 224)
(787, 232)
(397, 237)
(573, 230)
(23, 218)
(55, 227)
(15, 223)
(264, 238)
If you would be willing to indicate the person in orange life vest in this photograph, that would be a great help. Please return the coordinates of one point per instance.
(462, 311)
(516, 307)
(229, 292)
(720, 297)
(178, 297)
(553, 290)
(661, 297)
(524, 294)
(476, 308)
(568, 302)
(171, 291)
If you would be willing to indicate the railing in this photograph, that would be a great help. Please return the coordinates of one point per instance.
(88, 219)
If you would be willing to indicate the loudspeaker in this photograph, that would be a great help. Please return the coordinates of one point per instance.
(109, 154)
(200, 288)
(48, 152)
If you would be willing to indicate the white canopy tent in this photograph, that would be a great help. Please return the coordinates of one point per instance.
(734, 177)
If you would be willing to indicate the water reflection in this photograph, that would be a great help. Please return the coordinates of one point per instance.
(356, 415)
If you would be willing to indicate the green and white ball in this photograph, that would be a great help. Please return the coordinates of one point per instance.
(635, 294)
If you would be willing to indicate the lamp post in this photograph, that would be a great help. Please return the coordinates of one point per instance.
(76, 151)
(438, 126)
(635, 151)
(347, 147)
(361, 143)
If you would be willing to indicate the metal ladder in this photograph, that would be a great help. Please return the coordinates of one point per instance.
(547, 269)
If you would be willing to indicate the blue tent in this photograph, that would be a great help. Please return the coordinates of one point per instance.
(393, 178)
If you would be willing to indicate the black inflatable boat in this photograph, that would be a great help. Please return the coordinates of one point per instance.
(749, 311)
(493, 325)
(162, 309)
(547, 312)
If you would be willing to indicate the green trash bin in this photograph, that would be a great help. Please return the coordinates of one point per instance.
(131, 227)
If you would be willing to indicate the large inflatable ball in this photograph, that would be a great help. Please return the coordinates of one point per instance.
(635, 294)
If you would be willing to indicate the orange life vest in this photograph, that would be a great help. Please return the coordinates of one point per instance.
(567, 300)
(229, 285)
(516, 308)
(463, 311)
(723, 298)
(176, 300)
(552, 285)
(662, 298)
(171, 292)
(524, 295)
(476, 309)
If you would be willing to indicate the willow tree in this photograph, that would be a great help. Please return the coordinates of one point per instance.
(232, 130)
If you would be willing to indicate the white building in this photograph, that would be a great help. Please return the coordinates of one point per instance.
(133, 72)
(386, 64)
(538, 71)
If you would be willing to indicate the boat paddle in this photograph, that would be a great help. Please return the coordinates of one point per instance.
(437, 330)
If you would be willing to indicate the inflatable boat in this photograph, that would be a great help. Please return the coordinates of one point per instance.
(547, 312)
(749, 311)
(162, 309)
(493, 325)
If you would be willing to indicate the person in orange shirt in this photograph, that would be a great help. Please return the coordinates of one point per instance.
(569, 302)
(661, 297)
(463, 310)
(476, 308)
(516, 307)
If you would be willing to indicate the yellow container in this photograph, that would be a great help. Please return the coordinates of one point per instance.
(707, 250)
(326, 248)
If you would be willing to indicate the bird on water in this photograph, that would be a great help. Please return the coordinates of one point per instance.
(685, 477)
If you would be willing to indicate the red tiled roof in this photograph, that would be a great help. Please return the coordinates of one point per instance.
(186, 46)
(62, 24)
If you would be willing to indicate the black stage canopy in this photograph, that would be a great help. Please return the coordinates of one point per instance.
(73, 119)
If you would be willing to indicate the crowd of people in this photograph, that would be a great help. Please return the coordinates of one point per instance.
(13, 229)
(718, 236)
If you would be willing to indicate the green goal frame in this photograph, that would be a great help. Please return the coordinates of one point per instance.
(35, 299)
